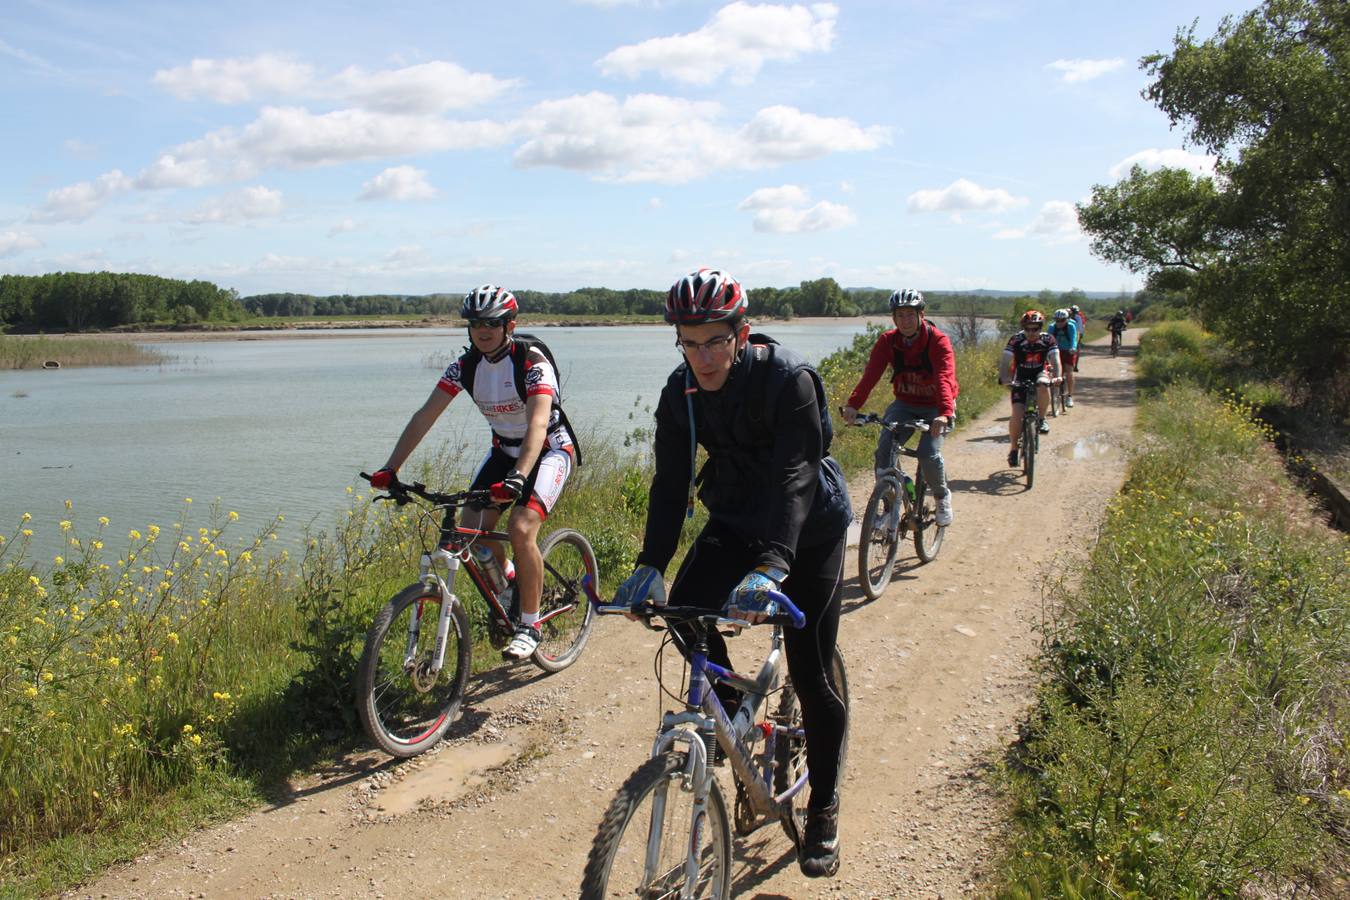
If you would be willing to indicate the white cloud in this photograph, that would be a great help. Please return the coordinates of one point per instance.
(343, 227)
(77, 202)
(410, 254)
(655, 203)
(12, 243)
(631, 140)
(1076, 70)
(1056, 223)
(785, 210)
(430, 87)
(739, 38)
(294, 138)
(961, 196)
(237, 80)
(427, 88)
(773, 197)
(238, 207)
(1154, 159)
(399, 183)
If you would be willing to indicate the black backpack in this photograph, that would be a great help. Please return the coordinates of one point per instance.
(759, 374)
(522, 344)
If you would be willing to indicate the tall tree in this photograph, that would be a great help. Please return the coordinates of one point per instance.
(1266, 242)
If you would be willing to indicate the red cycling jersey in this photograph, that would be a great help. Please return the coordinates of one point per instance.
(924, 370)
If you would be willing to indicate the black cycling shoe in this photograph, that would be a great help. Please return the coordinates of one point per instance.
(1012, 458)
(820, 847)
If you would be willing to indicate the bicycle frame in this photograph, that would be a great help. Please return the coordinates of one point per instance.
(893, 472)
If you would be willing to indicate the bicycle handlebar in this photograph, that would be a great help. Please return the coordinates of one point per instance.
(646, 610)
(874, 419)
(402, 493)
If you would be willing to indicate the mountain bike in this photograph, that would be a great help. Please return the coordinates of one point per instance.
(1115, 343)
(418, 652)
(1031, 429)
(667, 832)
(899, 505)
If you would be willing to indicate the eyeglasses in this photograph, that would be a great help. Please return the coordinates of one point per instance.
(486, 323)
(712, 346)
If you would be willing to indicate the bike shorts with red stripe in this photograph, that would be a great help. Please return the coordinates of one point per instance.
(543, 486)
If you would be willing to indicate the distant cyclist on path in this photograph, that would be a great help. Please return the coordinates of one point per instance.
(1031, 355)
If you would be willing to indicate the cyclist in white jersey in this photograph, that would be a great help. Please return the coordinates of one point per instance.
(532, 451)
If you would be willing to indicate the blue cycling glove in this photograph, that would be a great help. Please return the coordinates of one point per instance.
(645, 583)
(751, 596)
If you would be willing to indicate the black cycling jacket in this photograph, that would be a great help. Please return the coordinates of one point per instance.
(767, 478)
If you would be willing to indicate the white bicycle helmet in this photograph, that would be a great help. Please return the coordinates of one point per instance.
(488, 302)
(907, 298)
(1061, 315)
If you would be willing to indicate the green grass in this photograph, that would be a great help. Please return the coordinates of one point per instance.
(1191, 734)
(24, 352)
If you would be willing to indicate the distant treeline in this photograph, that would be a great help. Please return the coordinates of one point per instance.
(77, 301)
(71, 301)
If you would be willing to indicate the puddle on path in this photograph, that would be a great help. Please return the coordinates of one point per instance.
(450, 774)
(1094, 446)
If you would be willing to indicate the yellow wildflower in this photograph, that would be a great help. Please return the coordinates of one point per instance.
(26, 517)
(134, 535)
(65, 524)
(187, 499)
(114, 662)
(196, 739)
(31, 691)
(27, 532)
(154, 531)
(70, 504)
(173, 637)
(234, 516)
(58, 560)
(187, 729)
(103, 520)
(47, 676)
(114, 604)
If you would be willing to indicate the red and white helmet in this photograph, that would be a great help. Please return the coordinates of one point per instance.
(1032, 317)
(705, 296)
(488, 302)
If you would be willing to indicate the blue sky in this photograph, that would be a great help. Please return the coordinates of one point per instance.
(348, 147)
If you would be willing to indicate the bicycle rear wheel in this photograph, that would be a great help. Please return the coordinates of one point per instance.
(927, 533)
(643, 843)
(790, 752)
(879, 540)
(565, 614)
(405, 707)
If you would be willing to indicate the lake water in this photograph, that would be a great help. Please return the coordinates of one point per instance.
(284, 425)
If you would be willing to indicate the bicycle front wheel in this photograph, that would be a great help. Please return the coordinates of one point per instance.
(879, 540)
(790, 751)
(1029, 440)
(643, 846)
(565, 615)
(927, 533)
(405, 706)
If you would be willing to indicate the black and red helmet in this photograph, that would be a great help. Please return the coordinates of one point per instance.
(705, 296)
(488, 301)
(1032, 317)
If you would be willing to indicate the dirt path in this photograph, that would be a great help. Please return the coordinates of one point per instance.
(939, 677)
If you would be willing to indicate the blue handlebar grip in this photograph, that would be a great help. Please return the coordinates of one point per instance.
(787, 606)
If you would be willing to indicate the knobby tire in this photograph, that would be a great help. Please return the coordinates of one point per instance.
(567, 557)
(876, 557)
(612, 873)
(404, 713)
(927, 533)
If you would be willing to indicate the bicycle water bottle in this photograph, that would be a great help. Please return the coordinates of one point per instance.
(909, 488)
(487, 561)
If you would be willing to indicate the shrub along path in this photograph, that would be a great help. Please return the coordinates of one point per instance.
(939, 671)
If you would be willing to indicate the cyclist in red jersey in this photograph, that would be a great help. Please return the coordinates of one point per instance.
(1027, 356)
(924, 381)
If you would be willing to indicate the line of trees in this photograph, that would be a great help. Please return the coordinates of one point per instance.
(76, 301)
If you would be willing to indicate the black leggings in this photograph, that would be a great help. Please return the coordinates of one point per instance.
(715, 564)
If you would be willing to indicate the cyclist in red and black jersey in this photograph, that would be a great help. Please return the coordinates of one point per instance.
(532, 450)
(924, 382)
(1030, 355)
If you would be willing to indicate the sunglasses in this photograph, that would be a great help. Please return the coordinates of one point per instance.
(487, 323)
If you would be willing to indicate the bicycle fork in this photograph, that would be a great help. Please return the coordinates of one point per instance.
(433, 582)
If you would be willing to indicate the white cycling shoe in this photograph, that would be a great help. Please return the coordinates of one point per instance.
(523, 644)
(944, 511)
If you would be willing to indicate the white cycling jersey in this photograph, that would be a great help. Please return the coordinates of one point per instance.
(496, 396)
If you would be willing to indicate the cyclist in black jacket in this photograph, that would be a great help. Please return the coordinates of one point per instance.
(778, 512)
